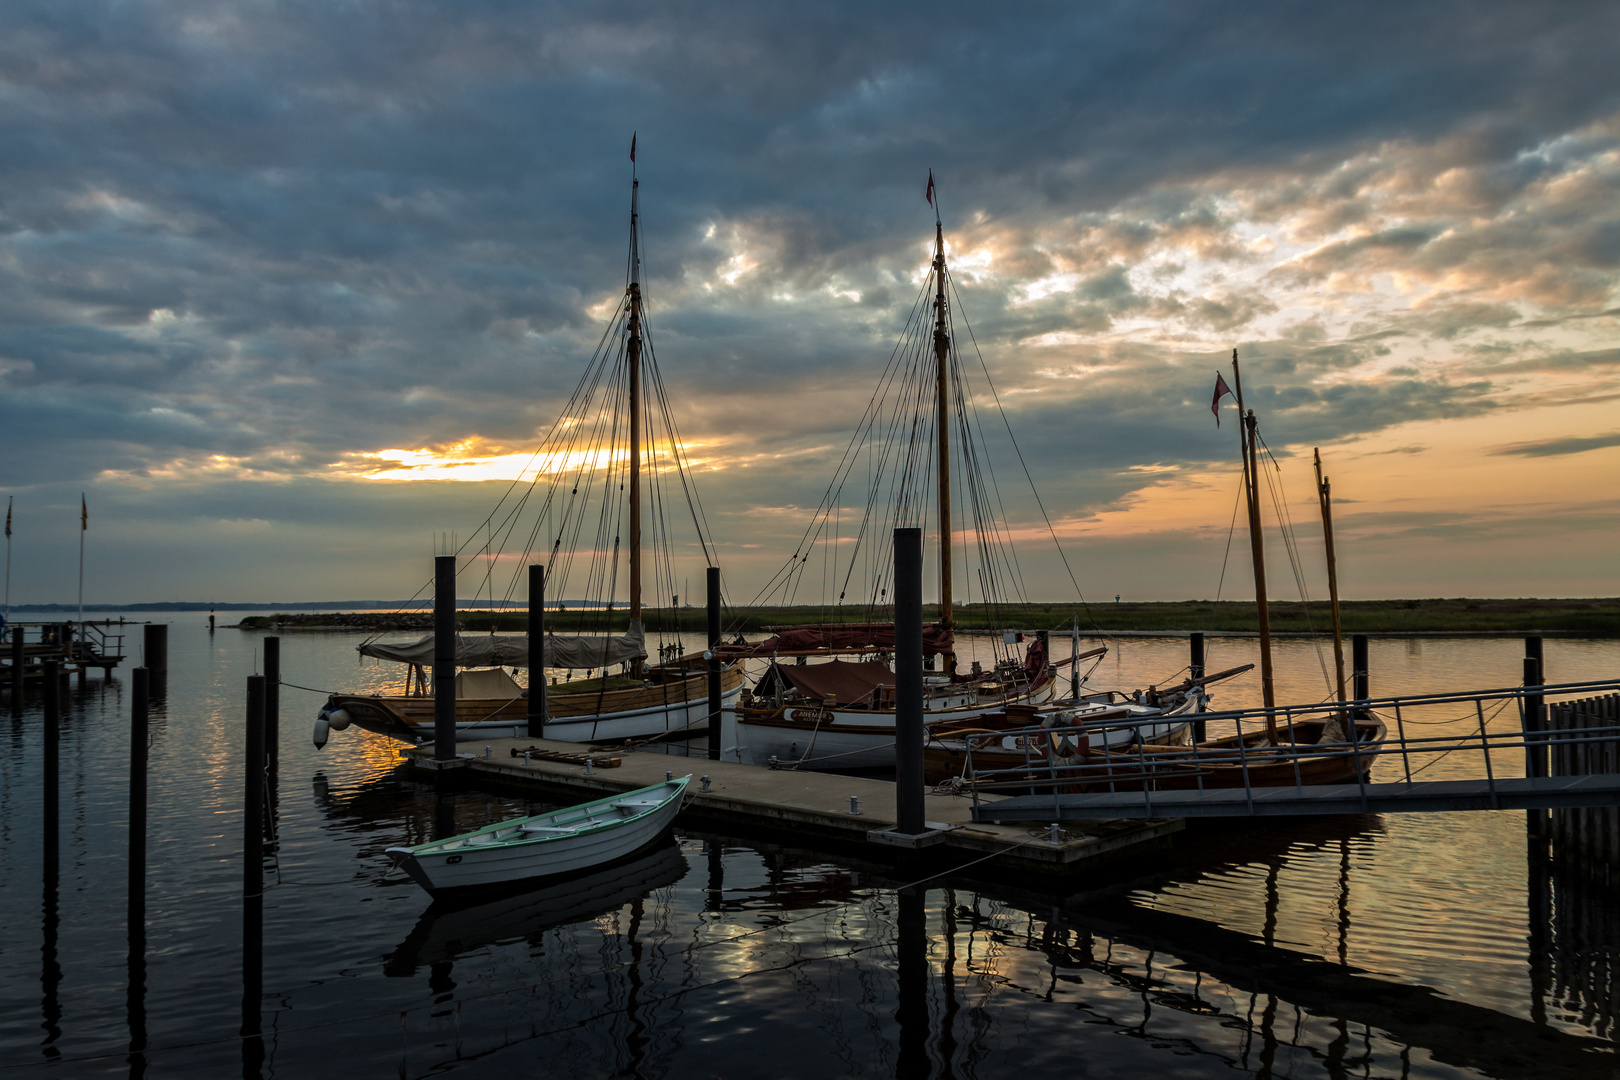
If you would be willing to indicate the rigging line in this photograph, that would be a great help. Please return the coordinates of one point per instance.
(1285, 524)
(1231, 529)
(1025, 466)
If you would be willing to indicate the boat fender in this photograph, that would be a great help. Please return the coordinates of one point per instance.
(321, 730)
(339, 719)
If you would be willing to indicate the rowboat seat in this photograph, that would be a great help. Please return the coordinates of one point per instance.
(638, 805)
(550, 830)
(481, 840)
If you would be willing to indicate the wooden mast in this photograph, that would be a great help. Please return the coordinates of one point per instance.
(633, 359)
(1324, 495)
(942, 351)
(1251, 485)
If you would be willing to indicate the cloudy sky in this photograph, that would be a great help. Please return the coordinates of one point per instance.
(265, 267)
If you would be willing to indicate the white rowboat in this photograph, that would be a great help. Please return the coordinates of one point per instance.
(559, 842)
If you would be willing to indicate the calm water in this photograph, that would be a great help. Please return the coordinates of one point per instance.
(1418, 945)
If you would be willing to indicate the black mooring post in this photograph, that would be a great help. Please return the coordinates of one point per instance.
(1532, 649)
(537, 651)
(714, 663)
(1535, 748)
(156, 655)
(135, 999)
(444, 657)
(911, 991)
(253, 878)
(53, 740)
(908, 678)
(272, 702)
(1360, 682)
(17, 659)
(1195, 673)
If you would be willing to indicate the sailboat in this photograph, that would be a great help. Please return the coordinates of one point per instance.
(839, 712)
(616, 434)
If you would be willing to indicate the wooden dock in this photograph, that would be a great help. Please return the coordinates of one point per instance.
(28, 645)
(808, 809)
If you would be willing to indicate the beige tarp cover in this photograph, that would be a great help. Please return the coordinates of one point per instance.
(487, 683)
(512, 650)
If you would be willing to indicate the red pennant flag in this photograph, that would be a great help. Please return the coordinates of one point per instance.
(1221, 390)
(929, 194)
(632, 147)
(84, 514)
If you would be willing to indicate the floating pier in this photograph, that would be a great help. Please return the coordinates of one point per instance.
(73, 647)
(808, 809)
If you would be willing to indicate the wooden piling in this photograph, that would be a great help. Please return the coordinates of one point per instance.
(1195, 673)
(1535, 748)
(537, 652)
(52, 787)
(911, 990)
(715, 694)
(444, 657)
(156, 656)
(253, 790)
(1361, 683)
(139, 732)
(908, 677)
(272, 702)
(18, 658)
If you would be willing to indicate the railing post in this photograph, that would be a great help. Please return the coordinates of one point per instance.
(1535, 749)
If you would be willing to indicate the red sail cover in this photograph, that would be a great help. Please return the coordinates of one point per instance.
(838, 637)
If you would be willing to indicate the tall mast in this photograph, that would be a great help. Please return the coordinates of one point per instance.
(633, 359)
(1251, 486)
(1324, 494)
(942, 352)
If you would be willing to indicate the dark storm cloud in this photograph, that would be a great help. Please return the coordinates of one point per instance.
(246, 240)
(1576, 444)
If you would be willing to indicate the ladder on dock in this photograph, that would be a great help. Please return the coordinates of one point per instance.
(1525, 768)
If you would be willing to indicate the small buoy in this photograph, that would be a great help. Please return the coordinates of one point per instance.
(322, 728)
(339, 719)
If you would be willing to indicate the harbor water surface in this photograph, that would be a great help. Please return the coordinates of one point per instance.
(1394, 946)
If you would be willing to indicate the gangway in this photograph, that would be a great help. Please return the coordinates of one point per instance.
(1502, 769)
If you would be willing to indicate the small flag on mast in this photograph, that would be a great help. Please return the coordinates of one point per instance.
(84, 513)
(1221, 390)
(8, 516)
(929, 194)
(632, 146)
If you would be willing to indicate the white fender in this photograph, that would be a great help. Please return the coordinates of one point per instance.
(321, 729)
(339, 719)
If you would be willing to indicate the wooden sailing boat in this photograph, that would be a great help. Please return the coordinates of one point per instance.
(839, 714)
(619, 396)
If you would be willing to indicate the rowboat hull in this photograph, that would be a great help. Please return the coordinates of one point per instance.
(820, 738)
(603, 716)
(568, 841)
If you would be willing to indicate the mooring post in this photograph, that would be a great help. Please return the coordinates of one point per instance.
(272, 702)
(1535, 748)
(908, 678)
(253, 790)
(156, 656)
(139, 711)
(537, 651)
(1195, 674)
(17, 660)
(53, 738)
(1074, 659)
(1361, 684)
(714, 663)
(444, 657)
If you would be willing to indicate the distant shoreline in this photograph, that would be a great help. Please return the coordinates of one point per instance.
(1593, 618)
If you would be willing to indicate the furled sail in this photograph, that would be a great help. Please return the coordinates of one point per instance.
(836, 637)
(508, 650)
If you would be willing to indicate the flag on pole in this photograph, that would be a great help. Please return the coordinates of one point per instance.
(84, 513)
(1221, 390)
(8, 516)
(632, 146)
(929, 194)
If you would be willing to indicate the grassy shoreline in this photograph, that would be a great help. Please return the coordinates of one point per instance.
(1595, 618)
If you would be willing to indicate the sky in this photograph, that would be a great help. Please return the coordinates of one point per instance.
(268, 269)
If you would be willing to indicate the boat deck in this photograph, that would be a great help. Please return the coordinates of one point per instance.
(807, 809)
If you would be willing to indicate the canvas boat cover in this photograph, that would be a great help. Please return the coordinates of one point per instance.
(487, 683)
(839, 679)
(512, 650)
(837, 637)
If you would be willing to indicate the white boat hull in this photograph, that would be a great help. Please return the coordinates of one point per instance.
(817, 738)
(564, 841)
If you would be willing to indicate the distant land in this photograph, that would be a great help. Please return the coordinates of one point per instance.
(1589, 617)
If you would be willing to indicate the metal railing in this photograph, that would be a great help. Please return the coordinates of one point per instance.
(1247, 760)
